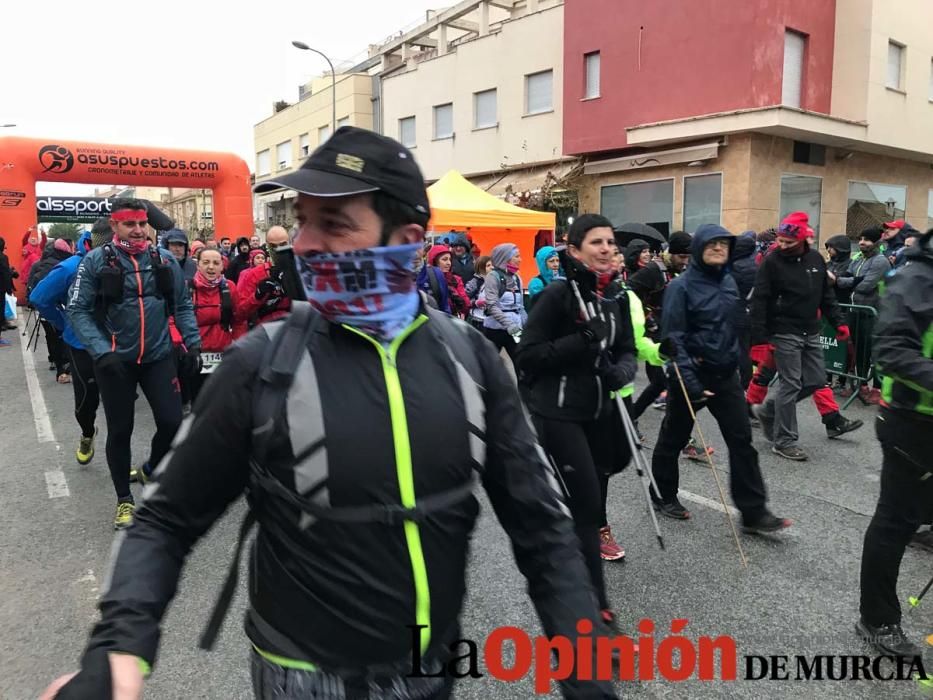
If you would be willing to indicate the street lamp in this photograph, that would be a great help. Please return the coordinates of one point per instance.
(6, 126)
(333, 82)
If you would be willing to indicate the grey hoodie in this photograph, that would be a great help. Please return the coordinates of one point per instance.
(505, 307)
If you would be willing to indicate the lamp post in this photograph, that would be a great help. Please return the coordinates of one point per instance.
(333, 82)
(7, 126)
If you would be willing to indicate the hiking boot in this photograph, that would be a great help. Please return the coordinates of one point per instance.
(609, 549)
(923, 540)
(124, 516)
(85, 451)
(790, 452)
(609, 619)
(767, 423)
(660, 403)
(641, 435)
(888, 639)
(691, 451)
(841, 425)
(141, 474)
(673, 509)
(869, 397)
(766, 524)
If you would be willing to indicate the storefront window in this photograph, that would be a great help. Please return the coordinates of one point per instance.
(873, 203)
(649, 203)
(702, 201)
(802, 193)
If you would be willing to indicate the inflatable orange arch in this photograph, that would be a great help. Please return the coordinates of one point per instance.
(26, 161)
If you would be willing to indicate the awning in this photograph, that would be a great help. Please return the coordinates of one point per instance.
(458, 204)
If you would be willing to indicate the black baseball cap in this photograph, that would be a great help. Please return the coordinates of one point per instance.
(355, 161)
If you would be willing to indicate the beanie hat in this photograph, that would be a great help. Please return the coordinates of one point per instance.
(872, 234)
(502, 253)
(679, 243)
(435, 252)
(196, 246)
(796, 225)
(767, 236)
(62, 245)
(254, 253)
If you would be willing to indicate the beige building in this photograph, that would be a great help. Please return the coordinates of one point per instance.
(284, 140)
(191, 209)
(484, 95)
(858, 154)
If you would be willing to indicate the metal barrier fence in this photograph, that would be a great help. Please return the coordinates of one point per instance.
(851, 359)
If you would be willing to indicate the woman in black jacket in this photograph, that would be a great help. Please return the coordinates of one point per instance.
(7, 275)
(572, 366)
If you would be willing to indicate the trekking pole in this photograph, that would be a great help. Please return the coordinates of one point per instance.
(638, 457)
(709, 458)
(28, 319)
(34, 337)
(914, 601)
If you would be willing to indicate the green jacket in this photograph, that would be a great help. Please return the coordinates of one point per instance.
(648, 350)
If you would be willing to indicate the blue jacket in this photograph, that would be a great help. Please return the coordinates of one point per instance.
(136, 327)
(545, 276)
(443, 293)
(699, 308)
(51, 294)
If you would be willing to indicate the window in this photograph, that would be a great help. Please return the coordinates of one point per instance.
(343, 121)
(444, 121)
(702, 200)
(809, 153)
(406, 132)
(263, 163)
(539, 92)
(802, 193)
(895, 65)
(591, 66)
(873, 203)
(648, 202)
(484, 109)
(794, 45)
(283, 155)
(323, 134)
(304, 145)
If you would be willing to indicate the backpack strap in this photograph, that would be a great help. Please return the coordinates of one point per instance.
(280, 361)
(435, 285)
(226, 306)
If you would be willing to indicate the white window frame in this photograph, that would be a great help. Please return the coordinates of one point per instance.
(320, 130)
(495, 121)
(287, 163)
(902, 67)
(586, 75)
(683, 194)
(798, 98)
(822, 180)
(304, 145)
(268, 169)
(414, 122)
(434, 132)
(343, 121)
(550, 108)
(672, 180)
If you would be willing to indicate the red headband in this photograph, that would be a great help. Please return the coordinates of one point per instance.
(130, 215)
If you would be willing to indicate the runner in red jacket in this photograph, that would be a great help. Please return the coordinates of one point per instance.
(262, 294)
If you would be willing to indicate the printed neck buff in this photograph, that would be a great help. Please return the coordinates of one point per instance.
(131, 247)
(372, 290)
(202, 281)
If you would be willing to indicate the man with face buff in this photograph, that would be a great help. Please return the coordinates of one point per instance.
(362, 480)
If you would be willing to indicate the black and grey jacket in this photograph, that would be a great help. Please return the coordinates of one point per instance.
(363, 418)
(570, 377)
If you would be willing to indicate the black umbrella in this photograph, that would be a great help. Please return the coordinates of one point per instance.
(626, 233)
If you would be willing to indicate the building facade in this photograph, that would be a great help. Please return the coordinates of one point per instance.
(191, 209)
(735, 112)
(284, 140)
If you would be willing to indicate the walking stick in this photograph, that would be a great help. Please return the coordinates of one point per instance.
(638, 457)
(915, 600)
(722, 494)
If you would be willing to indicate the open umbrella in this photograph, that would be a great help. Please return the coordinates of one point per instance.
(626, 233)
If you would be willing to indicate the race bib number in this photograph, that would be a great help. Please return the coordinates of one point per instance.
(210, 361)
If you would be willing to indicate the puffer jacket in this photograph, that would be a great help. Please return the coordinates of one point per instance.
(570, 378)
(51, 256)
(699, 316)
(863, 278)
(136, 327)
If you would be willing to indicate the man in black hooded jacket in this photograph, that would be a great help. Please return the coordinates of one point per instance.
(839, 249)
(240, 261)
(699, 328)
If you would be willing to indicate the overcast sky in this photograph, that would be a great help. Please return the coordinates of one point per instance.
(183, 73)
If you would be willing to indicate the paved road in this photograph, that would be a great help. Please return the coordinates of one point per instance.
(798, 595)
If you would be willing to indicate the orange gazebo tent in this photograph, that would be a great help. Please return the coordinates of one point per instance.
(459, 205)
